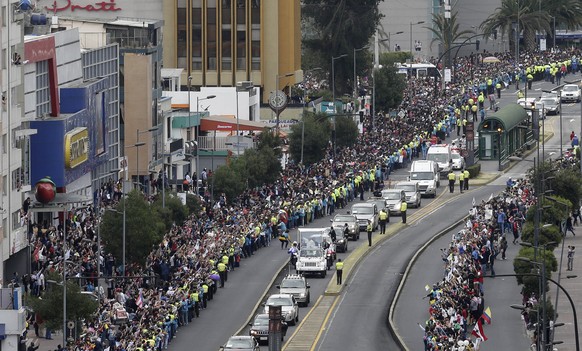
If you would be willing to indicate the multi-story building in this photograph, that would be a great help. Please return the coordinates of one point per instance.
(216, 42)
(14, 146)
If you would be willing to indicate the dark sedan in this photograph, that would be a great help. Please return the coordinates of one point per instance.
(260, 328)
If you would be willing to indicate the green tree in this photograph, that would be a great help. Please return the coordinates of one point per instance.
(229, 179)
(530, 18)
(316, 139)
(446, 32)
(50, 306)
(347, 131)
(268, 140)
(547, 234)
(144, 228)
(530, 284)
(260, 165)
(173, 213)
(389, 88)
(337, 27)
(567, 184)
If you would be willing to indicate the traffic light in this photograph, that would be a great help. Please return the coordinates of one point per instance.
(477, 42)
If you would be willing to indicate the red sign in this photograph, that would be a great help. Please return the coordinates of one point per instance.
(68, 5)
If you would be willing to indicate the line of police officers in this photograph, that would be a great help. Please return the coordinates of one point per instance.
(463, 180)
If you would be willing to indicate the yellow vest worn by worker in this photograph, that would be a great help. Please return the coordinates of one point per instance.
(221, 267)
(339, 266)
(461, 176)
(403, 206)
(451, 175)
(466, 174)
(383, 215)
(369, 227)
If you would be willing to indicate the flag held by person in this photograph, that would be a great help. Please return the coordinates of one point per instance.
(487, 315)
(478, 331)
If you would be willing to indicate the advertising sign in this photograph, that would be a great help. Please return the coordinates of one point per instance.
(76, 147)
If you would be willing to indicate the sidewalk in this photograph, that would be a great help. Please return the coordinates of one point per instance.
(573, 286)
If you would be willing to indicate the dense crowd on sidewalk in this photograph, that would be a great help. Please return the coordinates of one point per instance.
(194, 256)
(457, 302)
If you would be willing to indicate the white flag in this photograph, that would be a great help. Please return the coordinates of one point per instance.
(473, 202)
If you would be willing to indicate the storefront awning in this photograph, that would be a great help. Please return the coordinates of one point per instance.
(507, 118)
(229, 124)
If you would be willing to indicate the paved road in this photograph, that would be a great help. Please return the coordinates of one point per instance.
(245, 288)
(363, 307)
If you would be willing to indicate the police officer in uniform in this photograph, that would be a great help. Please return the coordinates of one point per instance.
(222, 273)
(383, 217)
(369, 230)
(339, 267)
(403, 208)
(452, 179)
(461, 181)
(332, 234)
(466, 174)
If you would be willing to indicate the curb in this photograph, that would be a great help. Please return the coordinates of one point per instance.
(259, 301)
(329, 291)
(437, 236)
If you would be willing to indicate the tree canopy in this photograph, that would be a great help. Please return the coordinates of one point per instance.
(339, 26)
(144, 228)
(317, 135)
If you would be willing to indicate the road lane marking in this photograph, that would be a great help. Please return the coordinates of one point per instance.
(303, 321)
(325, 320)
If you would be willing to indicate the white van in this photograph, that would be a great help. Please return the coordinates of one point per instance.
(441, 154)
(426, 174)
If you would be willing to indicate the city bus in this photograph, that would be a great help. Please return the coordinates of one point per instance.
(418, 70)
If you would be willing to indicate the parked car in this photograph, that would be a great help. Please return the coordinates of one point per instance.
(570, 92)
(241, 343)
(296, 285)
(394, 199)
(458, 160)
(259, 328)
(412, 193)
(289, 307)
(338, 223)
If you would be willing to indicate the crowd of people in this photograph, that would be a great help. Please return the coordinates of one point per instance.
(183, 273)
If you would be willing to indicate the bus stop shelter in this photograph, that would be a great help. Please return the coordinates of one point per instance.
(503, 133)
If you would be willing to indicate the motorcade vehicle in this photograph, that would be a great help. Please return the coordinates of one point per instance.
(314, 243)
(551, 106)
(426, 174)
(380, 203)
(411, 191)
(259, 328)
(338, 223)
(418, 70)
(241, 343)
(441, 154)
(458, 160)
(289, 307)
(570, 92)
(394, 199)
(365, 211)
(529, 102)
(296, 285)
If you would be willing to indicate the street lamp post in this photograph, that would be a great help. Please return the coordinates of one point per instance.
(373, 112)
(572, 304)
(499, 135)
(355, 76)
(389, 41)
(290, 74)
(333, 93)
(304, 111)
(198, 133)
(137, 145)
(240, 88)
(411, 48)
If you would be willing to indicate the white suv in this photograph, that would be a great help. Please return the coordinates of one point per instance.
(289, 308)
(570, 92)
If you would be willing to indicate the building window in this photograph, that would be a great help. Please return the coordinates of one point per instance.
(181, 35)
(197, 35)
(226, 25)
(211, 36)
(42, 89)
(241, 36)
(255, 35)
